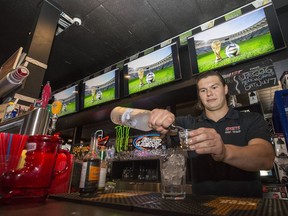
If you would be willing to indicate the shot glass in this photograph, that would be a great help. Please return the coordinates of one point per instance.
(183, 136)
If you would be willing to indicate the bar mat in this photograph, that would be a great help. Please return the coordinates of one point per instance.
(118, 199)
(152, 203)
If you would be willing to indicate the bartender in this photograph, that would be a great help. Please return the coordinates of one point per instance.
(228, 148)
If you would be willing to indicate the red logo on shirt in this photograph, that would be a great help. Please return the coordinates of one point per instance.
(233, 129)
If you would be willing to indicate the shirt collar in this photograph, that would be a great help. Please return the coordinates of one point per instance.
(231, 114)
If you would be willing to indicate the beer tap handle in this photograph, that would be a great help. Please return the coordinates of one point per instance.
(56, 108)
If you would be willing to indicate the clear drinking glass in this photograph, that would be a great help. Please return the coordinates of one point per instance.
(183, 136)
(173, 176)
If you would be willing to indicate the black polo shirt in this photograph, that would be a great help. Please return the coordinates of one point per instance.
(210, 177)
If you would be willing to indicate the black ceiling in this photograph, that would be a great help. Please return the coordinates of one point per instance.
(111, 30)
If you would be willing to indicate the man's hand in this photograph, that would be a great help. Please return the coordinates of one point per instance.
(160, 120)
(256, 155)
(207, 141)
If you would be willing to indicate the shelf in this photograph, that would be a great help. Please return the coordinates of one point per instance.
(136, 170)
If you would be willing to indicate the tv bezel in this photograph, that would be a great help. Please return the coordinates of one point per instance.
(77, 100)
(116, 86)
(274, 28)
(176, 63)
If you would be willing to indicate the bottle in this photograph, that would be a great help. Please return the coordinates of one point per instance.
(90, 171)
(134, 118)
(130, 144)
(103, 170)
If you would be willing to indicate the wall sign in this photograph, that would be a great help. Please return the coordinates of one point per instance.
(148, 141)
(251, 77)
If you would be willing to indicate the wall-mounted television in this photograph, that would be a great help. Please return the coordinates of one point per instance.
(154, 69)
(247, 36)
(69, 98)
(101, 89)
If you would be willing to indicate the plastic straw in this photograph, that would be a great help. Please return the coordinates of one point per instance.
(3, 152)
(11, 147)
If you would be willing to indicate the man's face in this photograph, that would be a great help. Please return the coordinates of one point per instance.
(212, 93)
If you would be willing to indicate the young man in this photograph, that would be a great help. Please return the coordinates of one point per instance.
(231, 147)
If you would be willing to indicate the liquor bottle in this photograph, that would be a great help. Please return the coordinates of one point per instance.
(134, 118)
(130, 144)
(90, 171)
(103, 170)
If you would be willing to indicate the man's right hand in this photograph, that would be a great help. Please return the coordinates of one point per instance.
(160, 120)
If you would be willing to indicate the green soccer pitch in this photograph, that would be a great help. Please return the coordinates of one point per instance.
(248, 49)
(70, 108)
(162, 76)
(107, 95)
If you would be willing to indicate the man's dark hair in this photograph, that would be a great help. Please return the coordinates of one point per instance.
(199, 104)
(208, 74)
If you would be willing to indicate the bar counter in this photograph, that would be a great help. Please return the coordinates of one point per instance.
(61, 208)
(120, 203)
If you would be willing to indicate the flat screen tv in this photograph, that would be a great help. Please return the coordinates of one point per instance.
(101, 89)
(152, 70)
(247, 36)
(69, 98)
